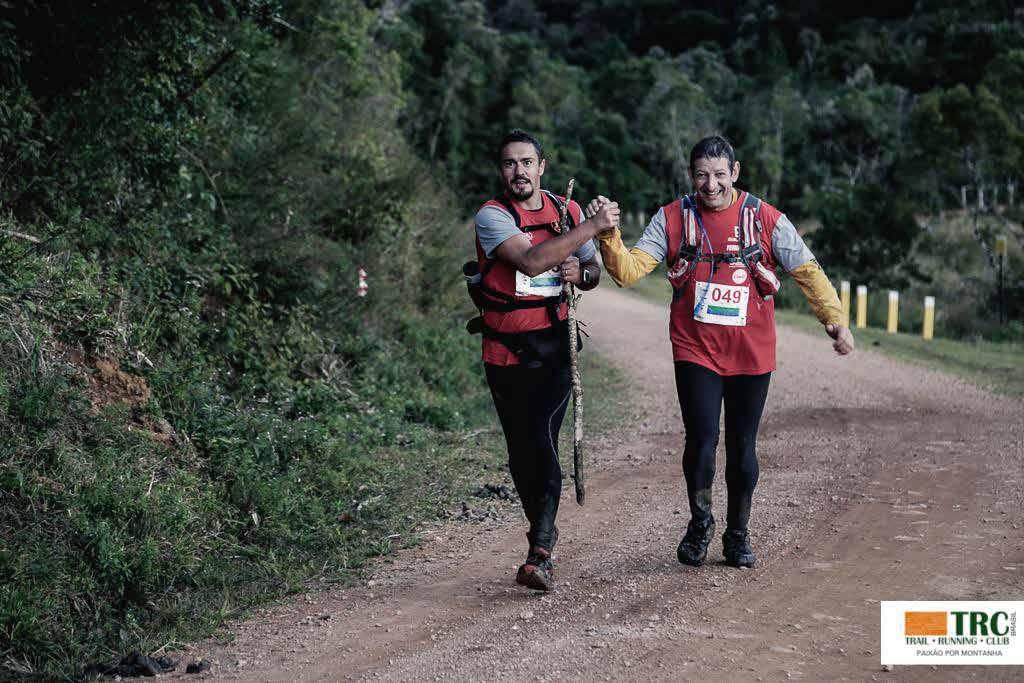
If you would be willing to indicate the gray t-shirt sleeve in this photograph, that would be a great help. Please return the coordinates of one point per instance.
(654, 241)
(494, 226)
(788, 247)
(586, 251)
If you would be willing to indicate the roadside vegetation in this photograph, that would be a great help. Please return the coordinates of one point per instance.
(994, 365)
(199, 413)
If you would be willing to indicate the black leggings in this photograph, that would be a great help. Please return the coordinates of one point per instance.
(701, 394)
(531, 404)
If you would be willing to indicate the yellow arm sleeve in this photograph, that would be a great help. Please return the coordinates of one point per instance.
(625, 266)
(820, 293)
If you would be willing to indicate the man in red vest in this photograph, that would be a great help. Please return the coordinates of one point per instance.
(524, 256)
(722, 246)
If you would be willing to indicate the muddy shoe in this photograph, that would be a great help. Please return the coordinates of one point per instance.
(736, 548)
(537, 572)
(693, 549)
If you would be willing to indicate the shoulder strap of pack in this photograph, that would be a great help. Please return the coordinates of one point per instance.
(750, 226)
(751, 203)
(688, 211)
(557, 201)
(689, 247)
(501, 199)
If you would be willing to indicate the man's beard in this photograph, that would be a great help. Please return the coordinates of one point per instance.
(520, 196)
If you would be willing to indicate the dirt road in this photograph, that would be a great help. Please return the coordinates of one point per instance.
(879, 481)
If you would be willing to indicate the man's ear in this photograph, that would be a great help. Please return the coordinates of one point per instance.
(735, 171)
(542, 166)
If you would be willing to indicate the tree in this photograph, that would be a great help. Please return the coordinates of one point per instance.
(675, 114)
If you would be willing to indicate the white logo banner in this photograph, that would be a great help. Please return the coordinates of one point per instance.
(951, 632)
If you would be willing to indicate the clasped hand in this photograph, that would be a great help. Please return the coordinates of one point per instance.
(604, 212)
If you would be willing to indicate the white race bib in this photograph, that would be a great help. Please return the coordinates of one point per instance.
(720, 304)
(548, 283)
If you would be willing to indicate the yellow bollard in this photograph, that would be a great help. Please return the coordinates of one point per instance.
(929, 317)
(862, 306)
(894, 311)
(844, 299)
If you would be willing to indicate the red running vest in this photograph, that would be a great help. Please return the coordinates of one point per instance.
(726, 350)
(502, 278)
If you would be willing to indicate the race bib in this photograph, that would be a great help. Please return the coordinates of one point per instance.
(548, 283)
(720, 304)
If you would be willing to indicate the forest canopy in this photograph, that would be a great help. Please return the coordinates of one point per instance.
(865, 119)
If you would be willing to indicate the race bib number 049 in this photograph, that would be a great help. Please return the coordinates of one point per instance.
(721, 304)
(548, 283)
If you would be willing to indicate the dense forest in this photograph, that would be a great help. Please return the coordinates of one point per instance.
(869, 120)
(201, 413)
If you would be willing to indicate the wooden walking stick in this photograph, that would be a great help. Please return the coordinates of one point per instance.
(574, 368)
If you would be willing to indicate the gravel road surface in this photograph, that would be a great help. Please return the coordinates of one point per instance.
(879, 481)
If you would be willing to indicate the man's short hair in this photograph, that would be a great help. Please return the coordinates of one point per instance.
(516, 135)
(712, 147)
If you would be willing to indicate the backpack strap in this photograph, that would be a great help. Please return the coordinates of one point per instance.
(690, 251)
(766, 282)
(501, 199)
(570, 222)
(750, 231)
(487, 299)
(555, 199)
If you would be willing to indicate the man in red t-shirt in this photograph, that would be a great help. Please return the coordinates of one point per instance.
(523, 258)
(722, 246)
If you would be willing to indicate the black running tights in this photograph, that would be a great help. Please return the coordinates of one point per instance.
(701, 395)
(531, 404)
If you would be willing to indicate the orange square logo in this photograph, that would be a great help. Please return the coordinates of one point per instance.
(925, 623)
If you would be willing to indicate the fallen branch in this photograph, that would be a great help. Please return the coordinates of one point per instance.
(21, 236)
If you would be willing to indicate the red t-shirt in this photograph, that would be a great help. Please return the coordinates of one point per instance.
(726, 349)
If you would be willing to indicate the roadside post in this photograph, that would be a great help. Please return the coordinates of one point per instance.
(1001, 253)
(862, 306)
(844, 299)
(928, 328)
(894, 312)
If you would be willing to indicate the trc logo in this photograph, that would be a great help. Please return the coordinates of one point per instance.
(981, 623)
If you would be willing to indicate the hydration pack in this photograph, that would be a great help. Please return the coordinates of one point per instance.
(750, 254)
(536, 347)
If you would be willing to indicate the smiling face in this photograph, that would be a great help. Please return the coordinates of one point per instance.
(521, 171)
(712, 180)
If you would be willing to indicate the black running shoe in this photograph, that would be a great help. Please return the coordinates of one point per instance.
(693, 549)
(736, 548)
(537, 572)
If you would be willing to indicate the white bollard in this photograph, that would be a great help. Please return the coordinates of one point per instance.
(844, 299)
(928, 329)
(862, 306)
(894, 311)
